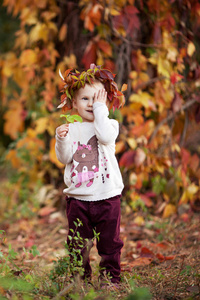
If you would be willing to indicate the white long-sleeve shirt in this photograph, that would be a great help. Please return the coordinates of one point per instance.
(88, 151)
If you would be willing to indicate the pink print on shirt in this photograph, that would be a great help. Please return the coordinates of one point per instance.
(87, 157)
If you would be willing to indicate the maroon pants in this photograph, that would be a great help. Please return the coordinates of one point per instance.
(104, 217)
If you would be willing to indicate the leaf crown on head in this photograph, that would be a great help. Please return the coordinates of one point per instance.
(74, 80)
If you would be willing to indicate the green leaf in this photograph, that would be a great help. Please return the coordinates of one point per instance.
(34, 251)
(78, 118)
(64, 116)
(72, 118)
(68, 94)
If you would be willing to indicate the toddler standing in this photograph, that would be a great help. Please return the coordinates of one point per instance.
(92, 176)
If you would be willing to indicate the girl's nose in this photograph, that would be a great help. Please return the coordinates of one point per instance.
(90, 102)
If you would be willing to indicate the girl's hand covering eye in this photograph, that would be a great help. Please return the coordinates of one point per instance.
(101, 96)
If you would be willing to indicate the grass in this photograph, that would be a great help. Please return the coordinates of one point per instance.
(29, 247)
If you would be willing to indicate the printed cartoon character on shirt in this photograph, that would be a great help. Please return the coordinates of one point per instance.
(88, 162)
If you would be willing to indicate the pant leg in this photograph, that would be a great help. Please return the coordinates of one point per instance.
(109, 244)
(79, 209)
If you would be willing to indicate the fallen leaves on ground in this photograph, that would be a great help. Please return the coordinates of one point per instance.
(162, 255)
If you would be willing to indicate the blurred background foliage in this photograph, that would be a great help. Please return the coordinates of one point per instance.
(153, 46)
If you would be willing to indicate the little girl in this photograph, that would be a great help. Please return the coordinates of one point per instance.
(92, 176)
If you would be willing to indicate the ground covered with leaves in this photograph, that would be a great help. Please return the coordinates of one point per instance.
(160, 259)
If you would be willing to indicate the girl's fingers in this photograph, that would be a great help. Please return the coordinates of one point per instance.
(63, 130)
(102, 96)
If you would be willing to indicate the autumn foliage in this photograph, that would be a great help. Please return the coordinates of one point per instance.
(153, 46)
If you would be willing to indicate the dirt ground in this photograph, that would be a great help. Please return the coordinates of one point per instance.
(162, 255)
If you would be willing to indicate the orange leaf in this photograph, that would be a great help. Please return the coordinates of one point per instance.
(52, 154)
(62, 32)
(124, 87)
(141, 261)
(14, 122)
(169, 210)
(13, 158)
(105, 47)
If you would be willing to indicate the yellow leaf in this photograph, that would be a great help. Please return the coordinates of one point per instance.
(184, 198)
(114, 12)
(120, 146)
(133, 74)
(39, 32)
(52, 154)
(141, 97)
(164, 67)
(169, 210)
(28, 16)
(9, 64)
(192, 189)
(28, 57)
(189, 193)
(191, 49)
(62, 33)
(139, 220)
(21, 39)
(132, 143)
(172, 54)
(41, 125)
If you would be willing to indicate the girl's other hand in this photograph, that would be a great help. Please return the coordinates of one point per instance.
(101, 96)
(62, 130)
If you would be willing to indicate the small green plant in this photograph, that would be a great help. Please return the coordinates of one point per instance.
(159, 184)
(140, 293)
(71, 265)
(72, 118)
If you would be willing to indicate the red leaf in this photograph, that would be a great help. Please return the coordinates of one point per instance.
(127, 159)
(162, 245)
(147, 201)
(131, 10)
(160, 256)
(170, 257)
(29, 243)
(145, 252)
(175, 77)
(90, 55)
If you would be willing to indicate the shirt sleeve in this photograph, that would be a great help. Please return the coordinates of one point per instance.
(63, 149)
(106, 129)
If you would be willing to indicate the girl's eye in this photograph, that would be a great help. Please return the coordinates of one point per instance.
(84, 98)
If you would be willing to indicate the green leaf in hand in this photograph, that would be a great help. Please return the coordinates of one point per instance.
(72, 118)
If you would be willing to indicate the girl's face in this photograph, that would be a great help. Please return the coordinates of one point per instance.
(84, 99)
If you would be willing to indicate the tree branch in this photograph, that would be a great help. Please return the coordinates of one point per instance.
(170, 117)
